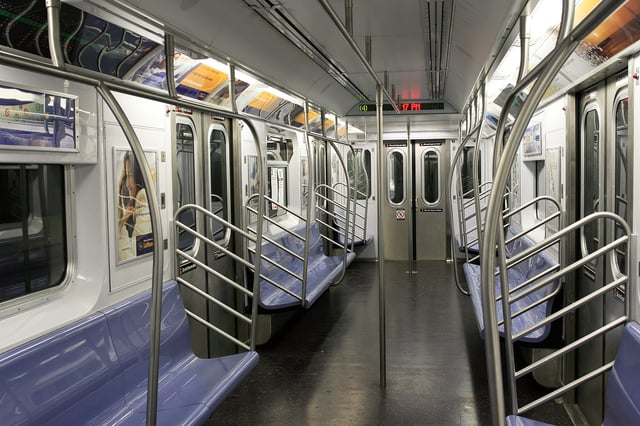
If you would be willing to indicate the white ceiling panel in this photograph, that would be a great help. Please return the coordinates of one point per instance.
(317, 63)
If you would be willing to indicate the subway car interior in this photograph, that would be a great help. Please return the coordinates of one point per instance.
(319, 212)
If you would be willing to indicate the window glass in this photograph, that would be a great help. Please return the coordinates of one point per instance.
(359, 168)
(431, 176)
(395, 170)
(621, 196)
(33, 247)
(186, 181)
(218, 174)
(590, 173)
(467, 171)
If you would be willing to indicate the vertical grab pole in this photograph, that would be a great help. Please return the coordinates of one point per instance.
(413, 195)
(156, 229)
(381, 298)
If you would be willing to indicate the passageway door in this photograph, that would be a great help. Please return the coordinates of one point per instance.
(431, 162)
(414, 215)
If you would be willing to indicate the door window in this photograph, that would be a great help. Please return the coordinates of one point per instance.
(219, 187)
(621, 140)
(430, 177)
(185, 137)
(590, 176)
(395, 170)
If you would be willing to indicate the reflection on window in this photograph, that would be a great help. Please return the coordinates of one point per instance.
(621, 196)
(359, 168)
(186, 181)
(33, 251)
(87, 41)
(431, 177)
(590, 173)
(467, 171)
(218, 173)
(395, 172)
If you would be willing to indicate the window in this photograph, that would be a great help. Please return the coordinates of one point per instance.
(395, 179)
(218, 172)
(431, 177)
(186, 181)
(33, 247)
(467, 171)
(590, 176)
(359, 168)
(621, 196)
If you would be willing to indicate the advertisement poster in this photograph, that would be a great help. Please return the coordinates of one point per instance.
(132, 207)
(532, 140)
(36, 119)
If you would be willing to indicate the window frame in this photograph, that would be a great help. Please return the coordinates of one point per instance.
(226, 188)
(424, 176)
(389, 161)
(67, 235)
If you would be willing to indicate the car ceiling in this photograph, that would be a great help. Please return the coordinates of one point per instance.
(419, 49)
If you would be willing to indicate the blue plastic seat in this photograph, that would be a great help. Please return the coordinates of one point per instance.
(322, 270)
(622, 392)
(95, 371)
(517, 275)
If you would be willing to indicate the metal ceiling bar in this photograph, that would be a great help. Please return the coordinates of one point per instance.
(169, 49)
(348, 16)
(336, 20)
(524, 45)
(53, 30)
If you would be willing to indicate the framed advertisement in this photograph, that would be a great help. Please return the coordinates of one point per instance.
(132, 215)
(532, 142)
(37, 120)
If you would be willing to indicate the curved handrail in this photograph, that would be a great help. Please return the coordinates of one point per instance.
(453, 243)
(348, 210)
(544, 72)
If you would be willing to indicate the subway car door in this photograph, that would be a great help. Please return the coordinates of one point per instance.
(187, 184)
(603, 150)
(430, 168)
(396, 213)
(596, 151)
(217, 187)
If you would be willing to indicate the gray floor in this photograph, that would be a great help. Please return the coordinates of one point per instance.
(324, 368)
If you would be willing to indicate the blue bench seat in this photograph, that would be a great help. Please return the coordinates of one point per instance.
(517, 275)
(622, 392)
(95, 370)
(473, 249)
(322, 270)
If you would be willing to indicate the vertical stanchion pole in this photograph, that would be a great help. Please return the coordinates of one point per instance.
(414, 203)
(383, 348)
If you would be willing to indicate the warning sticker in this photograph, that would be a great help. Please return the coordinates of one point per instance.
(400, 214)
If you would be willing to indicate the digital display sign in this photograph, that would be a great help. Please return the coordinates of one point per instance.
(403, 106)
